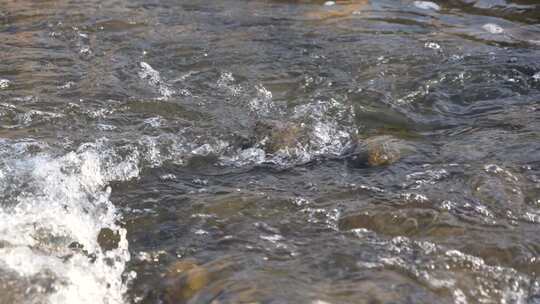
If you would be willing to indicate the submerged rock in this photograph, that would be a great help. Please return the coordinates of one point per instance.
(378, 151)
(276, 135)
(499, 188)
(183, 280)
(391, 222)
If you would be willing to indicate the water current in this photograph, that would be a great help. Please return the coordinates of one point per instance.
(258, 151)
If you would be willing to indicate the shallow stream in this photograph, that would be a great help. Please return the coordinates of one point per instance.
(235, 151)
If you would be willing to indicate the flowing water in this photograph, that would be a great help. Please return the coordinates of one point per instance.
(161, 151)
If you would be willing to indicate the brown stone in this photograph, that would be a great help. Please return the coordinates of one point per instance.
(184, 279)
(276, 135)
(383, 150)
(108, 239)
(379, 151)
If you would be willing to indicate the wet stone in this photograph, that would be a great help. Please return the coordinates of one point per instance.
(108, 239)
(275, 135)
(378, 151)
(183, 280)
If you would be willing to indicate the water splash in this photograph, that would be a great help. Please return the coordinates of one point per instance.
(4, 83)
(427, 5)
(154, 78)
(51, 224)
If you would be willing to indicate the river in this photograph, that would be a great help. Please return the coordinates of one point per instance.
(235, 151)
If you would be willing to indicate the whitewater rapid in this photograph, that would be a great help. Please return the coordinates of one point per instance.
(53, 210)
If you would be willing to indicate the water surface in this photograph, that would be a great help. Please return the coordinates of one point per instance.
(213, 151)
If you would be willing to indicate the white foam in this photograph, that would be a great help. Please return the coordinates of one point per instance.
(154, 78)
(427, 5)
(67, 85)
(245, 157)
(322, 134)
(262, 104)
(329, 131)
(432, 45)
(451, 269)
(327, 138)
(493, 28)
(58, 206)
(4, 83)
(226, 81)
